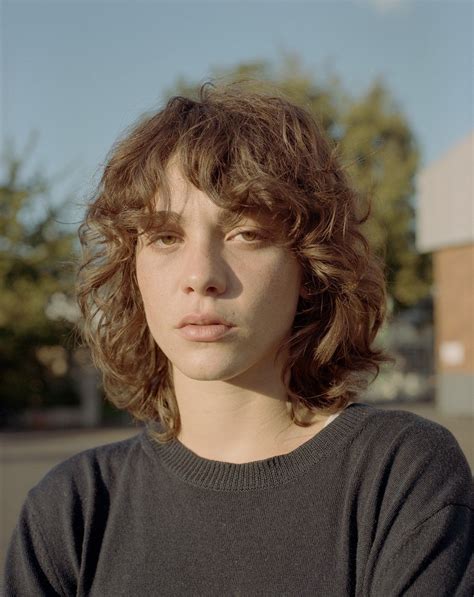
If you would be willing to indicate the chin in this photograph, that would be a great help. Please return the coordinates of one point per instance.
(211, 369)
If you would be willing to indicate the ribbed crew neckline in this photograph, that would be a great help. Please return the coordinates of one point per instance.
(260, 474)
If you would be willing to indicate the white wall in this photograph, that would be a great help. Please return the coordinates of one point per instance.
(445, 214)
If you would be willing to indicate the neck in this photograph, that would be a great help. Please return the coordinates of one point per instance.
(240, 420)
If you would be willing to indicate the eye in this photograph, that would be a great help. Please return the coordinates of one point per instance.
(162, 240)
(254, 234)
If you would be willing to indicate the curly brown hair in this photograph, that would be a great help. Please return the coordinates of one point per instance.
(247, 149)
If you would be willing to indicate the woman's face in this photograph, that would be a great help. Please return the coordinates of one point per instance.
(204, 266)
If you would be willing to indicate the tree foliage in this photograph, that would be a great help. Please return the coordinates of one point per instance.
(36, 279)
(384, 158)
(378, 148)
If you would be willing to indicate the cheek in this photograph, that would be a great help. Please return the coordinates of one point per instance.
(276, 295)
(150, 291)
(144, 281)
(150, 283)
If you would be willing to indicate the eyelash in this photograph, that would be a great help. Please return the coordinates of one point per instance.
(158, 237)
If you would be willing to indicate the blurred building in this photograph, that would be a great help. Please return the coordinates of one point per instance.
(445, 227)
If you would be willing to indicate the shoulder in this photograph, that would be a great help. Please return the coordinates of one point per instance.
(413, 493)
(64, 516)
(393, 429)
(87, 474)
(409, 457)
(388, 427)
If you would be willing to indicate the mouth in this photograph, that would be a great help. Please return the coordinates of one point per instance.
(203, 319)
(204, 332)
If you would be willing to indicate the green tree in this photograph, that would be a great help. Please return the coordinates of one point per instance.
(384, 158)
(377, 147)
(36, 281)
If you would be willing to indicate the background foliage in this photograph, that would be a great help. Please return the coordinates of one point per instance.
(36, 281)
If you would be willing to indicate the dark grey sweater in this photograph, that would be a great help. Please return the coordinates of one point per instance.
(378, 503)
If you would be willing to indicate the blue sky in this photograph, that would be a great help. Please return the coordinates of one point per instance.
(79, 72)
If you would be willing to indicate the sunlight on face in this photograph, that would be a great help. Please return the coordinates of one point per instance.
(199, 262)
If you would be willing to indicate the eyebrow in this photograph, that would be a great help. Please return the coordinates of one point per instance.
(225, 217)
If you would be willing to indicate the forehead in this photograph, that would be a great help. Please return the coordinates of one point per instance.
(178, 183)
(176, 191)
(178, 199)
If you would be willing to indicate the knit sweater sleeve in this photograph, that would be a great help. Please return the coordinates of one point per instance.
(435, 557)
(44, 553)
(29, 569)
(425, 532)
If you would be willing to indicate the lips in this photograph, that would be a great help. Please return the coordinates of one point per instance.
(205, 333)
(205, 327)
(203, 319)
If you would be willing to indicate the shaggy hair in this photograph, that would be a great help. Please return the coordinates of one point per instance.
(248, 150)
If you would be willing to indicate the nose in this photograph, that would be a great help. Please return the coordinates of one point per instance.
(204, 270)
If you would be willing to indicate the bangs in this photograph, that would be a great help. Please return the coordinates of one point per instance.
(236, 157)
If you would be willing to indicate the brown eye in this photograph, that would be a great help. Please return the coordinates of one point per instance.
(254, 235)
(162, 240)
(168, 236)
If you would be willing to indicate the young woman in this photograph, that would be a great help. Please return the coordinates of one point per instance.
(231, 301)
